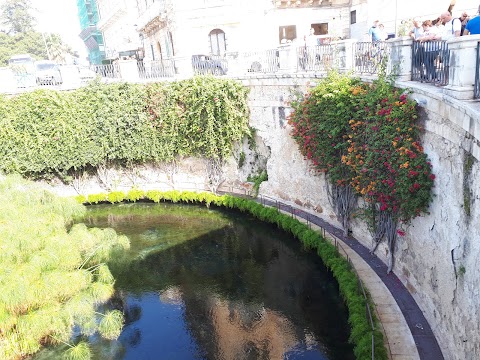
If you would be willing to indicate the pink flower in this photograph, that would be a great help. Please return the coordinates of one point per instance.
(400, 232)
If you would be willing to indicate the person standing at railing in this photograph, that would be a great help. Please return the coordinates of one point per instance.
(429, 50)
(382, 33)
(473, 25)
(453, 26)
(374, 32)
(415, 33)
(417, 30)
(464, 19)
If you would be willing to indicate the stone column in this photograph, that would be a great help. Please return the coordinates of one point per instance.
(461, 74)
(129, 70)
(344, 54)
(183, 66)
(400, 61)
(288, 58)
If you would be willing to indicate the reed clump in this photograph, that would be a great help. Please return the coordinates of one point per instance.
(53, 275)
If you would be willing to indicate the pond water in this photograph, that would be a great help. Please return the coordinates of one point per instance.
(204, 283)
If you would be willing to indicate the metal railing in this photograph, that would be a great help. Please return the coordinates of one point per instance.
(261, 61)
(209, 64)
(294, 213)
(314, 58)
(156, 69)
(368, 56)
(430, 62)
(107, 71)
(476, 91)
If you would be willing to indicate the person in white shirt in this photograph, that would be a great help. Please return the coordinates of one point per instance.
(417, 30)
(453, 27)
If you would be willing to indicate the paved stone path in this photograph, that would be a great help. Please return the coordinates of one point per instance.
(408, 333)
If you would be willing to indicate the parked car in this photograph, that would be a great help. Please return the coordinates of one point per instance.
(206, 64)
(47, 73)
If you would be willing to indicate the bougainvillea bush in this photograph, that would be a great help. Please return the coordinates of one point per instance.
(365, 137)
(320, 123)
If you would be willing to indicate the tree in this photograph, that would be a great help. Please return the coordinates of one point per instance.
(16, 16)
(33, 43)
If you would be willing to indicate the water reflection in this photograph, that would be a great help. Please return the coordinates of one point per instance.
(210, 284)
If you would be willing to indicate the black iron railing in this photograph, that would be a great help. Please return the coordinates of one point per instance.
(107, 70)
(368, 56)
(476, 92)
(314, 58)
(430, 62)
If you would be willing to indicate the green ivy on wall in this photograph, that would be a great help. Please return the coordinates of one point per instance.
(46, 133)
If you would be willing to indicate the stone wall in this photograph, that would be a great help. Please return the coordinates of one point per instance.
(437, 257)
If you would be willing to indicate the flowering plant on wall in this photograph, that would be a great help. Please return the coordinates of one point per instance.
(320, 123)
(392, 172)
(365, 138)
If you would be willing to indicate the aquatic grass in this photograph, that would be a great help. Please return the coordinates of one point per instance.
(361, 332)
(44, 290)
(81, 351)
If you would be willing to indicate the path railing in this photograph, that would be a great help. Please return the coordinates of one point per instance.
(476, 92)
(430, 61)
(310, 219)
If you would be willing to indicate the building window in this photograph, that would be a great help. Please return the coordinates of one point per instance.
(320, 29)
(287, 33)
(153, 52)
(353, 17)
(217, 42)
(159, 48)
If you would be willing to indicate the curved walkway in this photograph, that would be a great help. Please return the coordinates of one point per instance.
(423, 337)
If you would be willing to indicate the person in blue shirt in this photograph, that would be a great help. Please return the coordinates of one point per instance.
(473, 25)
(374, 32)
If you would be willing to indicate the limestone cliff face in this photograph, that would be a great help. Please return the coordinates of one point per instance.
(437, 258)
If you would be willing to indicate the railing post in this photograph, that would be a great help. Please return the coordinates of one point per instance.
(401, 57)
(183, 66)
(346, 48)
(287, 55)
(462, 67)
(129, 70)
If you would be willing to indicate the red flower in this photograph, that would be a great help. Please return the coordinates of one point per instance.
(400, 232)
(432, 177)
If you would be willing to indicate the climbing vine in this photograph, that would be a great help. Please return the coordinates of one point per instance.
(46, 133)
(364, 137)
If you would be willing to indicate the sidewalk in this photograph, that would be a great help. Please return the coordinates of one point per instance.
(408, 335)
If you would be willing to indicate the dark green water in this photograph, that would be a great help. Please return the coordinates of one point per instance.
(214, 284)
